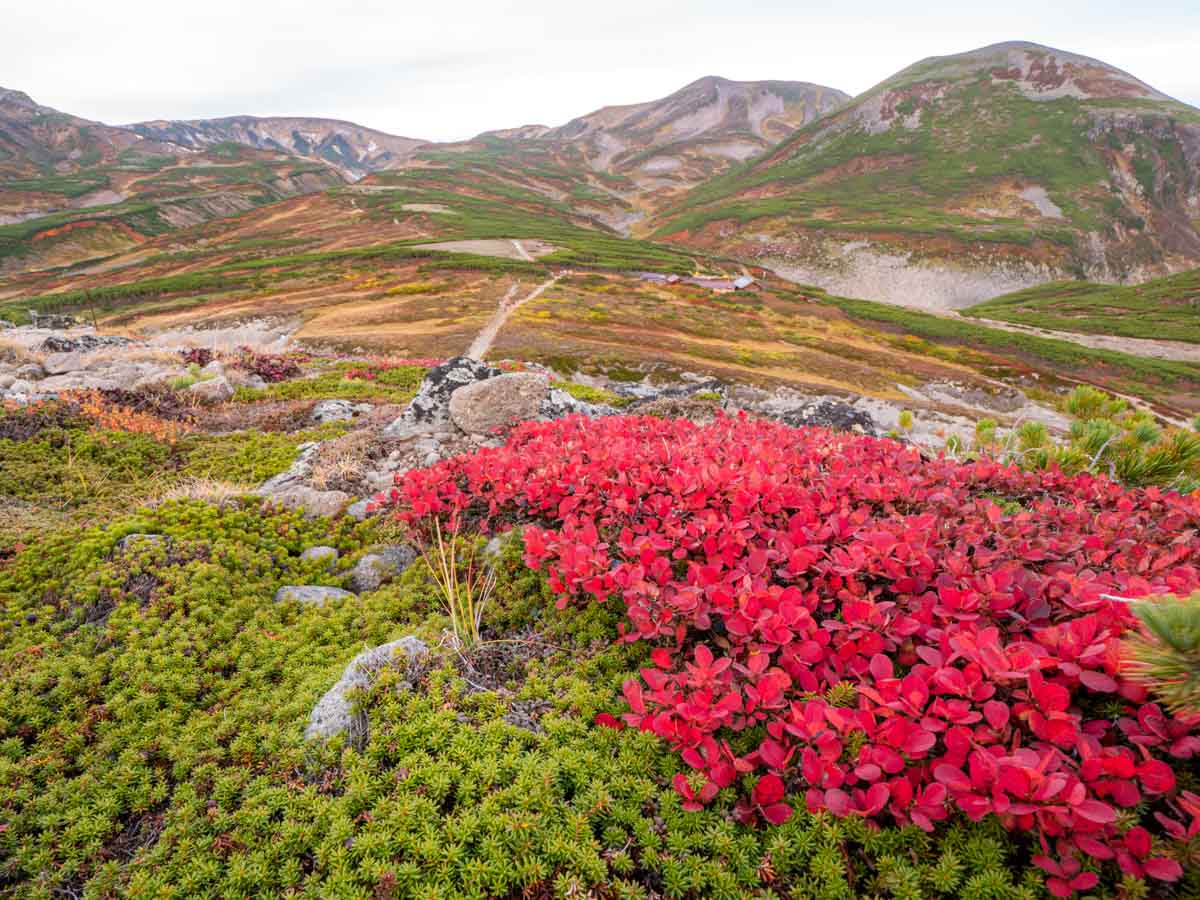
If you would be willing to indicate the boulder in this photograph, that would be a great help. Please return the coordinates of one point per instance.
(334, 713)
(375, 568)
(431, 406)
(312, 501)
(358, 510)
(311, 594)
(214, 390)
(484, 406)
(61, 363)
(30, 372)
(328, 554)
(50, 320)
(5, 325)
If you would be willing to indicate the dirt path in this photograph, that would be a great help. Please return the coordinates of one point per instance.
(483, 341)
(521, 251)
(1177, 351)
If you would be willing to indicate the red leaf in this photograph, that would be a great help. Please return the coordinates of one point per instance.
(1095, 811)
(777, 813)
(768, 790)
(1163, 869)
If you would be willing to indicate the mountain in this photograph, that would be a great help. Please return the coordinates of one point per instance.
(352, 149)
(72, 189)
(36, 140)
(618, 164)
(964, 177)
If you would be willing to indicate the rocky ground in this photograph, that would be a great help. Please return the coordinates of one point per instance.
(458, 407)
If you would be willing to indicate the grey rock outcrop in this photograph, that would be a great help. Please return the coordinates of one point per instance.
(375, 568)
(335, 713)
(484, 406)
(431, 406)
(82, 343)
(311, 594)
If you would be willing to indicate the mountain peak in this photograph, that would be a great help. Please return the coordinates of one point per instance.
(1038, 71)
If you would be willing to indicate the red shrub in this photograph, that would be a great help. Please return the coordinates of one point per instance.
(270, 367)
(905, 645)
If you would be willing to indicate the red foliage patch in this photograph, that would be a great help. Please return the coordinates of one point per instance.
(270, 367)
(776, 569)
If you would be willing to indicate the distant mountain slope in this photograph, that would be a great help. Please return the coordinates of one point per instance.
(352, 149)
(966, 176)
(1164, 308)
(72, 189)
(36, 140)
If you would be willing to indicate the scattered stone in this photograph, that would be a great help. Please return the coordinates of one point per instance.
(30, 372)
(484, 406)
(214, 390)
(329, 554)
(431, 406)
(51, 320)
(311, 594)
(5, 325)
(337, 410)
(138, 537)
(334, 714)
(559, 403)
(376, 568)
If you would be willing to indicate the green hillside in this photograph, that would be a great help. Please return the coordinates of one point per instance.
(961, 155)
(1167, 308)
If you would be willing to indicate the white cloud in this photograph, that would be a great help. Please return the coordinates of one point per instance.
(449, 70)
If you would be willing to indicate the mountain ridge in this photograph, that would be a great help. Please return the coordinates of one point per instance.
(966, 176)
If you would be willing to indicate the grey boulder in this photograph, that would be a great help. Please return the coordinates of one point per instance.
(334, 712)
(61, 363)
(484, 406)
(337, 410)
(212, 390)
(431, 406)
(311, 594)
(328, 554)
(312, 501)
(375, 568)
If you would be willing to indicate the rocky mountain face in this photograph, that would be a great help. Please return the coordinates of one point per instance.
(619, 163)
(967, 176)
(352, 149)
(708, 124)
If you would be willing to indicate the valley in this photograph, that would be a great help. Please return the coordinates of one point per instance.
(760, 491)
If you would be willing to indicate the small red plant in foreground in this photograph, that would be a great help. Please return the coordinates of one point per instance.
(270, 367)
(906, 647)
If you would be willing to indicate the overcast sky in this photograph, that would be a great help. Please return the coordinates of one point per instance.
(448, 70)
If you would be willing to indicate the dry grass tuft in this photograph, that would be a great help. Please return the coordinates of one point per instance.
(207, 490)
(16, 354)
(343, 461)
